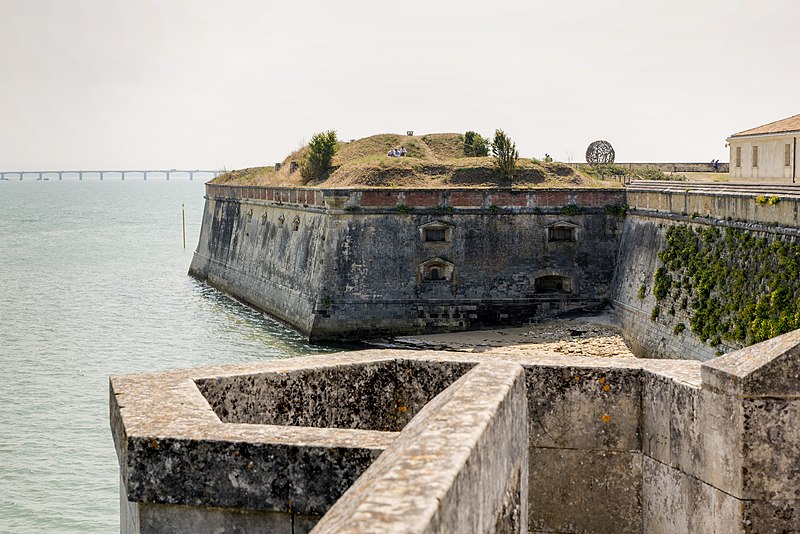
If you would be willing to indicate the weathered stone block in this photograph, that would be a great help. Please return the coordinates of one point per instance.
(686, 447)
(459, 466)
(778, 515)
(705, 437)
(377, 395)
(771, 449)
(176, 519)
(664, 506)
(718, 436)
(257, 476)
(656, 416)
(585, 491)
(674, 502)
(584, 408)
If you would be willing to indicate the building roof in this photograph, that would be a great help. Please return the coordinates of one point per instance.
(791, 124)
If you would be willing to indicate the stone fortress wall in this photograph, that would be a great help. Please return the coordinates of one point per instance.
(423, 441)
(340, 264)
(348, 263)
(654, 209)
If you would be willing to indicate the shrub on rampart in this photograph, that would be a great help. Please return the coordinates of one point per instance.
(505, 152)
(475, 145)
(321, 150)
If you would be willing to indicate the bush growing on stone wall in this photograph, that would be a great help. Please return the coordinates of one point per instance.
(505, 152)
(662, 283)
(655, 313)
(617, 209)
(761, 200)
(321, 150)
(642, 293)
(475, 145)
(734, 286)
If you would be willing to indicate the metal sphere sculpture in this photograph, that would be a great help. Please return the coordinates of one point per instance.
(600, 152)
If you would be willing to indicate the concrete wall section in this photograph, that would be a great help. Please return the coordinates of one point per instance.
(460, 466)
(633, 302)
(585, 453)
(782, 211)
(604, 445)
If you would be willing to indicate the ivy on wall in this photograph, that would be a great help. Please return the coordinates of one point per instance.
(736, 287)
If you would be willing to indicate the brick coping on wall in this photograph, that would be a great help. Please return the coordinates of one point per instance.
(451, 198)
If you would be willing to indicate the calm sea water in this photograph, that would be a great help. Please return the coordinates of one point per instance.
(92, 283)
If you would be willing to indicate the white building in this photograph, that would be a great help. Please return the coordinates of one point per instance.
(766, 152)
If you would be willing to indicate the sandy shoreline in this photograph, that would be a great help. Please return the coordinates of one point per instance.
(595, 336)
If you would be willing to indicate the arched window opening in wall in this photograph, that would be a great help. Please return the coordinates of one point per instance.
(436, 270)
(553, 284)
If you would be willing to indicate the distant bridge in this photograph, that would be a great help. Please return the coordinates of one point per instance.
(46, 175)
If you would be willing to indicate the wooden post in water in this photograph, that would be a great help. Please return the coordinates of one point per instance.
(183, 225)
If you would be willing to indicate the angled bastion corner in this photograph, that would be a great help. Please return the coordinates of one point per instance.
(767, 369)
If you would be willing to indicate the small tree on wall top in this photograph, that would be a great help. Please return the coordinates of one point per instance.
(475, 145)
(321, 150)
(505, 152)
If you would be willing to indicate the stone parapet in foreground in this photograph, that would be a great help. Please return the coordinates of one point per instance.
(423, 441)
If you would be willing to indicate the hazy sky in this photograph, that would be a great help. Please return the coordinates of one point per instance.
(235, 83)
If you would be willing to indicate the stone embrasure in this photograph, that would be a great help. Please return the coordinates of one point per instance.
(425, 441)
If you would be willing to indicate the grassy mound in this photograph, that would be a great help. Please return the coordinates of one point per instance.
(431, 161)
